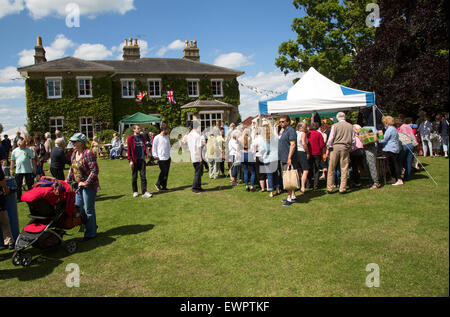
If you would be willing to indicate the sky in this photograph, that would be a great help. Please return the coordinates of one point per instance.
(239, 34)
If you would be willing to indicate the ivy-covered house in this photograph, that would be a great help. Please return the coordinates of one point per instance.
(72, 94)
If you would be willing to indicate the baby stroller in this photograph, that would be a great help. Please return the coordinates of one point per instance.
(52, 211)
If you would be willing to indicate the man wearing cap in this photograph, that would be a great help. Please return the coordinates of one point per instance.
(136, 150)
(83, 174)
(24, 160)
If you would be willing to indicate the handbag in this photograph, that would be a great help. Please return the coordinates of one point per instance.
(291, 180)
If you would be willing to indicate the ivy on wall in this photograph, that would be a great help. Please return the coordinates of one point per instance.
(107, 105)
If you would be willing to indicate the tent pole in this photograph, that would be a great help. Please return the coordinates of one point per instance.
(374, 116)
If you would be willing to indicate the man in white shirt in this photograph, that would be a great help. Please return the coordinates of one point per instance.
(194, 140)
(161, 152)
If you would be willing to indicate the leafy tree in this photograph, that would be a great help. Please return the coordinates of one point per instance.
(329, 36)
(407, 65)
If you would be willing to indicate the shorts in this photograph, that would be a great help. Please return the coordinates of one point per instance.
(302, 161)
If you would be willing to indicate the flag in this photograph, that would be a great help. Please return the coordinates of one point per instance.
(141, 96)
(170, 97)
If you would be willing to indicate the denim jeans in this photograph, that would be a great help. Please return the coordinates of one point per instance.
(85, 200)
(249, 166)
(272, 178)
(405, 160)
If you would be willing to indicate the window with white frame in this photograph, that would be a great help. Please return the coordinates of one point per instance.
(87, 126)
(189, 118)
(209, 118)
(154, 87)
(56, 123)
(84, 87)
(193, 87)
(127, 88)
(53, 87)
(217, 87)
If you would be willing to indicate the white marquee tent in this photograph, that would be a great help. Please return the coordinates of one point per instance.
(315, 92)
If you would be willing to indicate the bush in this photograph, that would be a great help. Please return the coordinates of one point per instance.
(105, 136)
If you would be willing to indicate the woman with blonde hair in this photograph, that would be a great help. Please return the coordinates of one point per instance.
(391, 148)
(303, 152)
(248, 161)
(269, 152)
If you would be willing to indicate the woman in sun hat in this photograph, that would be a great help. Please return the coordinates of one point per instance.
(84, 174)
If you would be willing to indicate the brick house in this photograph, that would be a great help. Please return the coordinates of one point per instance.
(73, 94)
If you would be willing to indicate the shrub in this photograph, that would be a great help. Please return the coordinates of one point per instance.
(105, 136)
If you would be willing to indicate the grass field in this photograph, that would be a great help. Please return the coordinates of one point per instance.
(227, 242)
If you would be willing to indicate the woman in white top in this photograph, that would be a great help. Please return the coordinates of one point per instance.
(234, 151)
(303, 152)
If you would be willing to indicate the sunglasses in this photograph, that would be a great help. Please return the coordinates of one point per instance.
(282, 121)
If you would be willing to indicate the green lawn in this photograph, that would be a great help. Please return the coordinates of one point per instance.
(227, 242)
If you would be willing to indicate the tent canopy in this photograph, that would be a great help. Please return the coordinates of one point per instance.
(137, 118)
(315, 92)
(140, 117)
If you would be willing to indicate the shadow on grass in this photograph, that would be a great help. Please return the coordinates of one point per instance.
(101, 197)
(45, 261)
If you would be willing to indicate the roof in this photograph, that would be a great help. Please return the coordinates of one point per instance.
(140, 117)
(141, 65)
(207, 104)
(67, 63)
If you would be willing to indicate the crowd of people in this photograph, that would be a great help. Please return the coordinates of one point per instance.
(258, 155)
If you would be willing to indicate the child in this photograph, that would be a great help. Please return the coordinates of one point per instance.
(5, 167)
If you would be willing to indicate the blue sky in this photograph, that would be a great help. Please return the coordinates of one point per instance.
(242, 35)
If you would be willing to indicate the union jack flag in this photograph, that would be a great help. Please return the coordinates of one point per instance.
(169, 95)
(141, 96)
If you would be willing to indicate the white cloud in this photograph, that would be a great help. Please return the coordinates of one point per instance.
(39, 9)
(12, 92)
(10, 7)
(92, 52)
(268, 85)
(9, 75)
(175, 45)
(233, 60)
(56, 50)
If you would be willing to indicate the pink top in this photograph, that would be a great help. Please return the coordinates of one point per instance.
(357, 144)
(405, 128)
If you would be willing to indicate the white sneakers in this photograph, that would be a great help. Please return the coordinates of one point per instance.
(146, 195)
(399, 182)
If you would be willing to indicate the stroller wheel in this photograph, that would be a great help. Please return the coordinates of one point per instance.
(25, 259)
(16, 259)
(71, 247)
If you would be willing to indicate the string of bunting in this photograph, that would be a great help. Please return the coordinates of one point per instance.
(260, 91)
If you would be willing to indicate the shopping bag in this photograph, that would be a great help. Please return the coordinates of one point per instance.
(291, 179)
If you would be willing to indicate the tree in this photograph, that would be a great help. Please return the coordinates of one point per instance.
(407, 65)
(1, 128)
(329, 36)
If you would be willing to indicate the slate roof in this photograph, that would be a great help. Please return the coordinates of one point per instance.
(206, 104)
(142, 65)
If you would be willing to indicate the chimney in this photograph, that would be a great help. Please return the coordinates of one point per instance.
(191, 51)
(130, 51)
(39, 52)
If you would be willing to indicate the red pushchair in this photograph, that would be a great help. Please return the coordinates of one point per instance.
(52, 211)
